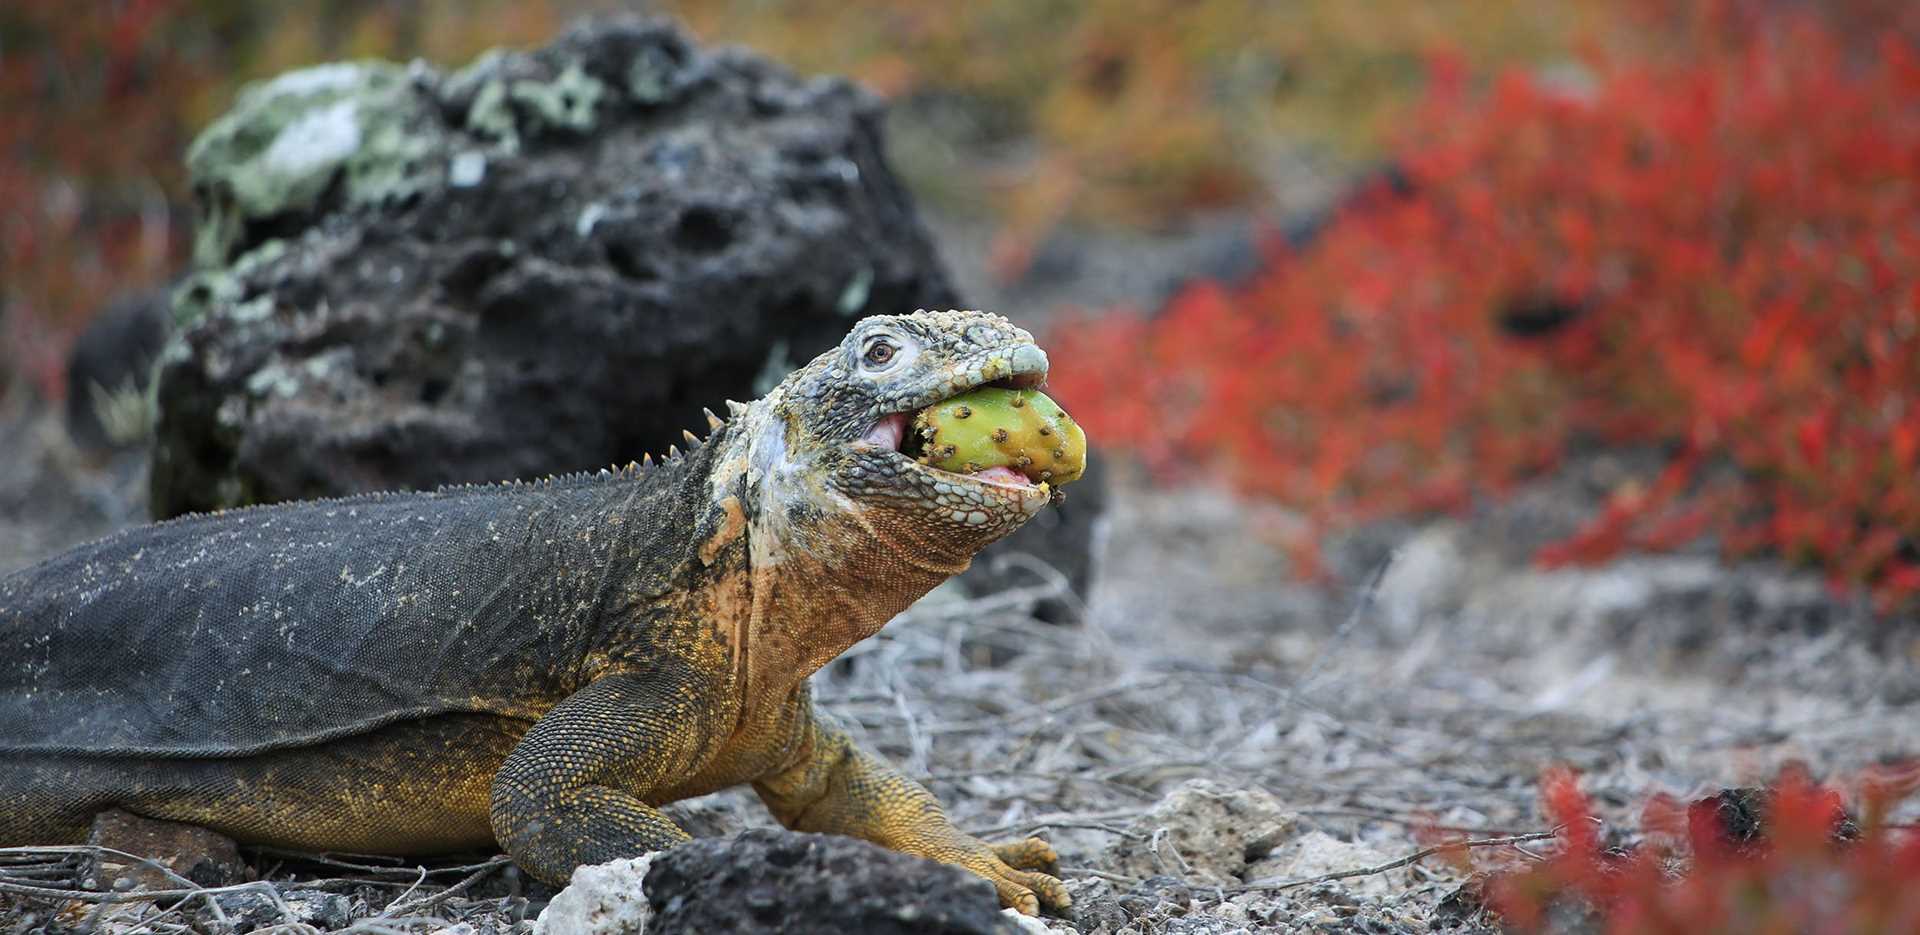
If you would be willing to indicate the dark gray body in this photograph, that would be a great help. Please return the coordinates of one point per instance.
(282, 626)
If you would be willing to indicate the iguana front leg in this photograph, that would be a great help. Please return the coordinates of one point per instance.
(837, 788)
(572, 791)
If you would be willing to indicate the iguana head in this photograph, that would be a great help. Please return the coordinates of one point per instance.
(843, 528)
(843, 419)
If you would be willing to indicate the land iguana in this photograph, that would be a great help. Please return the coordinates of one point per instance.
(539, 664)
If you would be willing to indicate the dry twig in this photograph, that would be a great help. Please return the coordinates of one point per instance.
(1273, 886)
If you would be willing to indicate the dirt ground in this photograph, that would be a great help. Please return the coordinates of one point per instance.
(1432, 697)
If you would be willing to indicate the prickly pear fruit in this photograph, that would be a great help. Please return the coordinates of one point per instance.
(994, 427)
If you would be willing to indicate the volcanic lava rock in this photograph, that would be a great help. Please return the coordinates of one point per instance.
(544, 262)
(767, 880)
(1740, 820)
(254, 910)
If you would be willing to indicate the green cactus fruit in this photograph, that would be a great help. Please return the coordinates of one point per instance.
(993, 427)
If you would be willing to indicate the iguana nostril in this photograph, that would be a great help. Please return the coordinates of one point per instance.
(1029, 359)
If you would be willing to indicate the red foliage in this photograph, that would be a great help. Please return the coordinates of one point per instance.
(1716, 252)
(90, 141)
(1801, 867)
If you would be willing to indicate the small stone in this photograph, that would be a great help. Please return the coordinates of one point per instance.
(1205, 832)
(1028, 925)
(603, 899)
(251, 909)
(207, 858)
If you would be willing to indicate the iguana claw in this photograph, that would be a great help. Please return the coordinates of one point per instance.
(1030, 854)
(1014, 871)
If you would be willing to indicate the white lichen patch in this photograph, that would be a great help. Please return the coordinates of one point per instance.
(257, 309)
(504, 111)
(569, 102)
(315, 142)
(286, 142)
(273, 380)
(467, 169)
(590, 217)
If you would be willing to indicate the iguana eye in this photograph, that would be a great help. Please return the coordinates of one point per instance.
(879, 353)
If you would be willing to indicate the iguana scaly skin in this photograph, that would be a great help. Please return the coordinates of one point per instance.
(538, 664)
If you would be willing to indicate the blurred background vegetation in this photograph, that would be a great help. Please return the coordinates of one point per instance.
(1546, 141)
(1134, 113)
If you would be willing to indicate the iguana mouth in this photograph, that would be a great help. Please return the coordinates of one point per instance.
(891, 432)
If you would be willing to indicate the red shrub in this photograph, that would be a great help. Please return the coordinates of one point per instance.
(93, 121)
(1718, 253)
(1784, 859)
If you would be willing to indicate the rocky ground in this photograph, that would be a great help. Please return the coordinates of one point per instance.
(1216, 737)
(1217, 723)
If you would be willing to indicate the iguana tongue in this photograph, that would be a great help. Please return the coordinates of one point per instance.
(888, 431)
(999, 474)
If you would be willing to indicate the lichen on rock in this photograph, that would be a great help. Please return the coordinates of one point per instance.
(356, 128)
(408, 277)
(543, 261)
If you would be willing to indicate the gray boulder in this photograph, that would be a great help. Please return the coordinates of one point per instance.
(544, 262)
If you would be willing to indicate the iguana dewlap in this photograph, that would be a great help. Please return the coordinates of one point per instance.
(537, 664)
